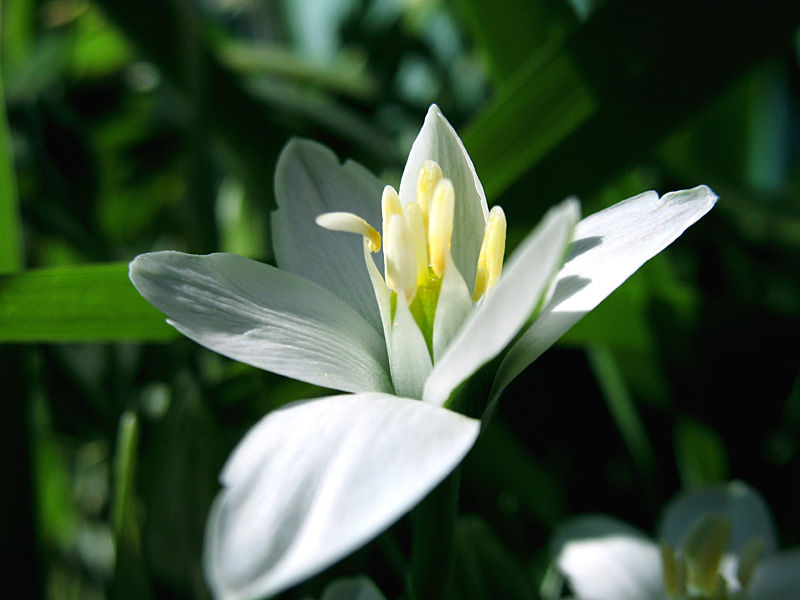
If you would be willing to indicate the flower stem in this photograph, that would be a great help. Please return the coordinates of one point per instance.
(432, 545)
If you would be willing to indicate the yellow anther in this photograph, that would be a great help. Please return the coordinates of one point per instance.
(490, 259)
(440, 225)
(704, 548)
(350, 223)
(398, 252)
(749, 556)
(428, 177)
(418, 241)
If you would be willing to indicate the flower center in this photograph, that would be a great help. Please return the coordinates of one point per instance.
(417, 239)
(696, 572)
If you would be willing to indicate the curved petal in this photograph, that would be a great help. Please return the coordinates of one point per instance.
(744, 507)
(777, 577)
(489, 329)
(605, 559)
(453, 307)
(313, 481)
(437, 140)
(310, 181)
(609, 247)
(265, 317)
(409, 358)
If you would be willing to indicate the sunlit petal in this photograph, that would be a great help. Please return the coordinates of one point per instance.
(310, 181)
(439, 142)
(265, 317)
(315, 480)
(489, 329)
(609, 247)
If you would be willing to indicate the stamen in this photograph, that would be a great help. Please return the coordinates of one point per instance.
(490, 259)
(401, 264)
(672, 584)
(748, 559)
(705, 546)
(417, 229)
(428, 177)
(350, 223)
(440, 225)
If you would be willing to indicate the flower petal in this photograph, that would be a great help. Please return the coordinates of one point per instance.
(409, 358)
(605, 559)
(744, 507)
(265, 317)
(310, 181)
(453, 307)
(509, 305)
(609, 247)
(438, 141)
(777, 577)
(313, 481)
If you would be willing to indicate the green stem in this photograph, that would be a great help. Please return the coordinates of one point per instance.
(431, 550)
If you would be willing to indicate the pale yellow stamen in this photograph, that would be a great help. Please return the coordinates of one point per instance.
(440, 225)
(490, 259)
(417, 230)
(350, 223)
(428, 177)
(398, 252)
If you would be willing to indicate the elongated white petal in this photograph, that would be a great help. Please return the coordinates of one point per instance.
(777, 577)
(491, 327)
(452, 309)
(438, 141)
(609, 247)
(605, 559)
(409, 358)
(745, 509)
(315, 480)
(310, 181)
(265, 317)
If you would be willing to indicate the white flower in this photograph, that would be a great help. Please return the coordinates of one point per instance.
(718, 543)
(315, 480)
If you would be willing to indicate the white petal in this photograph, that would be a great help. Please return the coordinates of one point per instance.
(777, 577)
(453, 307)
(315, 480)
(310, 181)
(265, 317)
(409, 359)
(744, 507)
(605, 559)
(354, 588)
(438, 141)
(509, 305)
(609, 247)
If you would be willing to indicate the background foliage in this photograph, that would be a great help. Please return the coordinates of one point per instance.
(136, 126)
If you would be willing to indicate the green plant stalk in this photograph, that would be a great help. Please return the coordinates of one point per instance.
(432, 545)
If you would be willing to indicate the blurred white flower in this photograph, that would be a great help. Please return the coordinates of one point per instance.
(717, 543)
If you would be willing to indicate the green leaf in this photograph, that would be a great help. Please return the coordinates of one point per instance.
(86, 303)
(700, 454)
(10, 225)
(574, 114)
(508, 32)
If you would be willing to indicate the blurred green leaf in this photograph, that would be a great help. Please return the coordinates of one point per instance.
(86, 303)
(623, 410)
(508, 32)
(10, 225)
(619, 83)
(700, 454)
(483, 567)
(130, 576)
